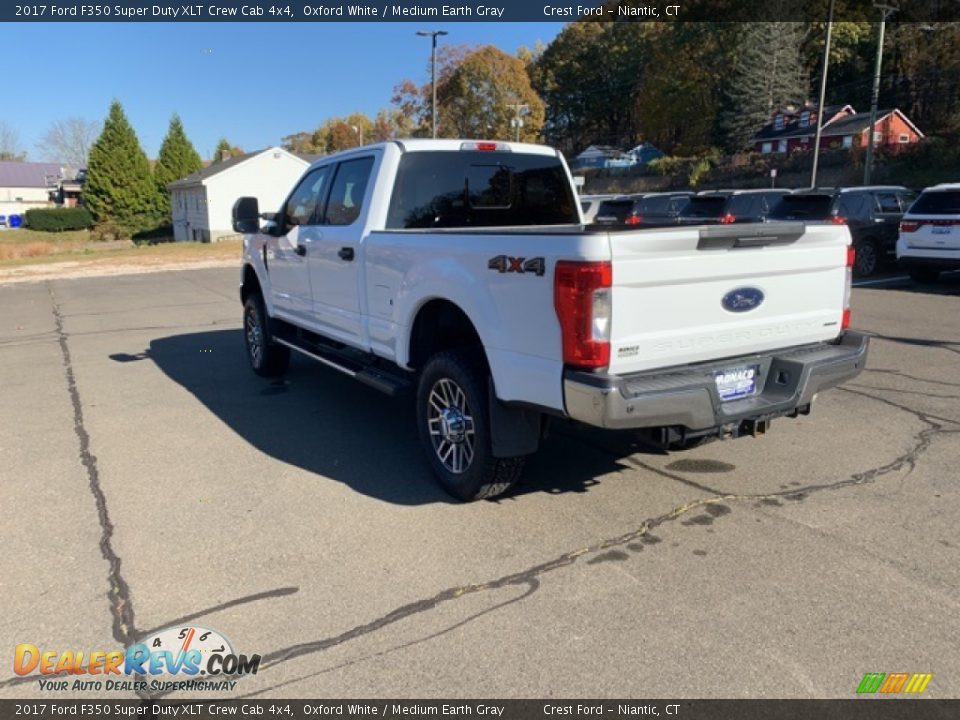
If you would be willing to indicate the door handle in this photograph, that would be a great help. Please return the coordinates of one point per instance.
(345, 253)
(301, 250)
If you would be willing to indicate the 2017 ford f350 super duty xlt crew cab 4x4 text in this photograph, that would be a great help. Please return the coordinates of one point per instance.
(462, 269)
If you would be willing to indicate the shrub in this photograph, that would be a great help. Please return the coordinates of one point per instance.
(58, 219)
(154, 236)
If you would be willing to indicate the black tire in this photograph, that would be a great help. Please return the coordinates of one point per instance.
(924, 276)
(480, 475)
(867, 259)
(267, 359)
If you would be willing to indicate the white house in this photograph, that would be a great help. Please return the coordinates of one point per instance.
(25, 185)
(201, 203)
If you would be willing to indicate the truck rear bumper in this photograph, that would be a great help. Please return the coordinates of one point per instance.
(687, 396)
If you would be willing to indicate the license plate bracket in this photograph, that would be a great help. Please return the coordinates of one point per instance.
(736, 382)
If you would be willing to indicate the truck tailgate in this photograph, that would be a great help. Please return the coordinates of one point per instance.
(686, 295)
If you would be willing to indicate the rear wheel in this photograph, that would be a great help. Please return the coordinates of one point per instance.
(924, 275)
(454, 426)
(867, 259)
(267, 359)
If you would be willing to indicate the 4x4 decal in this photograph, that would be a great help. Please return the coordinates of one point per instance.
(505, 264)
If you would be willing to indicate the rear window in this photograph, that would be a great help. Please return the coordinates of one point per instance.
(802, 207)
(942, 202)
(480, 189)
(615, 208)
(705, 207)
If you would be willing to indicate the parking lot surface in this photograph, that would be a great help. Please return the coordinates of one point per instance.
(149, 479)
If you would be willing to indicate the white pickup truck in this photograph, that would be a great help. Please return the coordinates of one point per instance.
(463, 269)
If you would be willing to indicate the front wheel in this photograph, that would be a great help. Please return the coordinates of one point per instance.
(267, 359)
(454, 426)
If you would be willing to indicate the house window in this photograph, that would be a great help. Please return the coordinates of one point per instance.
(848, 141)
(766, 148)
(782, 146)
(778, 122)
(805, 118)
(904, 139)
(877, 137)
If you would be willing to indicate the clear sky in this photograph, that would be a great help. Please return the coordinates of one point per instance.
(252, 83)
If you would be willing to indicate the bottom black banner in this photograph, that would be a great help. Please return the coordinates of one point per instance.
(857, 709)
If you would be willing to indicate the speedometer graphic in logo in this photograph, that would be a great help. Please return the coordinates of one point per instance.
(185, 639)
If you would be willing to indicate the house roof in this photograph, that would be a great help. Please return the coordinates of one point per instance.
(603, 150)
(29, 174)
(212, 169)
(791, 126)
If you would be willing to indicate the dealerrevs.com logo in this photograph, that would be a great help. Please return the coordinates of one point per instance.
(177, 658)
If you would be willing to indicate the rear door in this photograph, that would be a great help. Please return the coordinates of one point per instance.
(684, 295)
(933, 222)
(886, 218)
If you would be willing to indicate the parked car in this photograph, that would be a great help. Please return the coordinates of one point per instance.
(929, 239)
(725, 207)
(647, 210)
(459, 270)
(872, 213)
(589, 204)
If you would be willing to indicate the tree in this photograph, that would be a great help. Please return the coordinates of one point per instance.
(177, 159)
(69, 141)
(767, 74)
(225, 150)
(120, 189)
(10, 148)
(475, 102)
(414, 113)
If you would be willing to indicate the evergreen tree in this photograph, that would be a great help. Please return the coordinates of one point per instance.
(120, 189)
(225, 150)
(177, 159)
(767, 75)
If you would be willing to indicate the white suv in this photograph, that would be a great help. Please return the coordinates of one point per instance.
(929, 240)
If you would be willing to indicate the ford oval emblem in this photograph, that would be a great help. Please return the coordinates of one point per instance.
(743, 299)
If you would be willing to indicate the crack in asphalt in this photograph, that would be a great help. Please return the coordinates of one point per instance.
(898, 373)
(118, 594)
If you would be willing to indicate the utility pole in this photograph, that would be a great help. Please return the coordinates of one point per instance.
(823, 97)
(885, 12)
(517, 120)
(432, 34)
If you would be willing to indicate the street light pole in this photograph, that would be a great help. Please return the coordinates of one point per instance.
(885, 12)
(517, 120)
(823, 96)
(432, 34)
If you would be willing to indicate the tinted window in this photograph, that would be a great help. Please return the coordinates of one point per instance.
(585, 205)
(888, 203)
(306, 200)
(346, 195)
(906, 199)
(802, 207)
(743, 205)
(677, 204)
(655, 205)
(939, 202)
(849, 206)
(705, 207)
(618, 209)
(480, 189)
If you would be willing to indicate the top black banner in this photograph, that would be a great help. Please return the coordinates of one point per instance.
(922, 11)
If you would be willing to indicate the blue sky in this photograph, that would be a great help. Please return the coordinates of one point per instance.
(253, 83)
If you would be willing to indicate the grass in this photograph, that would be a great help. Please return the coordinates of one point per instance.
(31, 247)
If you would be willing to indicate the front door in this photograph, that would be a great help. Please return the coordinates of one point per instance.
(334, 256)
(288, 243)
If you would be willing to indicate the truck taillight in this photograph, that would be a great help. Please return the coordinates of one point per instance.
(634, 219)
(838, 220)
(847, 288)
(728, 219)
(581, 298)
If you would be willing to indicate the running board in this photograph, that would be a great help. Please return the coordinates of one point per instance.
(383, 380)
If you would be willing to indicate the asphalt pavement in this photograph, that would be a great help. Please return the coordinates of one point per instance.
(150, 480)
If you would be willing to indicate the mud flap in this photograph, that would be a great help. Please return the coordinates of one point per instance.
(513, 431)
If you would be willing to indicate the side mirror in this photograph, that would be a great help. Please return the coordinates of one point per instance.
(246, 215)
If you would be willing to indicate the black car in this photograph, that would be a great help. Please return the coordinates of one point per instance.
(872, 213)
(651, 210)
(725, 207)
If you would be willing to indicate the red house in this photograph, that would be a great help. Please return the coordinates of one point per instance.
(843, 127)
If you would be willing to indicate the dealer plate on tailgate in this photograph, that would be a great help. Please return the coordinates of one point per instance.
(736, 382)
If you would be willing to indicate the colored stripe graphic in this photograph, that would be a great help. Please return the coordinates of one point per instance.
(871, 682)
(894, 682)
(918, 682)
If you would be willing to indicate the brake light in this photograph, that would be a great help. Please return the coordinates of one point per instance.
(728, 219)
(909, 226)
(634, 219)
(838, 220)
(847, 288)
(483, 146)
(581, 299)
